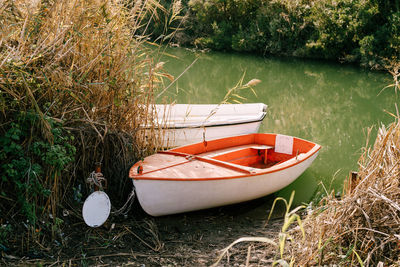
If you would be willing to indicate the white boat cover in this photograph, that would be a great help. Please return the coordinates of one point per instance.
(201, 115)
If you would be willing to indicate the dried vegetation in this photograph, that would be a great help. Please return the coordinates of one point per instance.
(363, 226)
(76, 81)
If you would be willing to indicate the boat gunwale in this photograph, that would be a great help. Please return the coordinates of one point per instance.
(314, 150)
(163, 127)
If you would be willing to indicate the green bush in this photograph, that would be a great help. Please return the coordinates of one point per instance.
(340, 26)
(26, 159)
(222, 21)
(364, 31)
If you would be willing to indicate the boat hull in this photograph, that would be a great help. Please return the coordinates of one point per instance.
(183, 136)
(163, 197)
(181, 124)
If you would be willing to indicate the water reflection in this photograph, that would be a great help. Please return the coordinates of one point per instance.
(327, 103)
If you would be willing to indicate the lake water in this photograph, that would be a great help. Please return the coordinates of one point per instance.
(324, 102)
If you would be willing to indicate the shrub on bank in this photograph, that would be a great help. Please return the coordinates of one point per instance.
(362, 31)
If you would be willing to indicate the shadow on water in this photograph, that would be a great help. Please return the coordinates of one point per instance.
(327, 103)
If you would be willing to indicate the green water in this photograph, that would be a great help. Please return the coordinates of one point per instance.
(324, 102)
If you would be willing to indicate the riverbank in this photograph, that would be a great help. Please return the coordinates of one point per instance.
(191, 239)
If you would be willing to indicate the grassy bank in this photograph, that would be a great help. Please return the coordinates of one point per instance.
(75, 84)
(364, 32)
(361, 227)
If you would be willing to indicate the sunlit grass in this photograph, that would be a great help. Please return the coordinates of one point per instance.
(83, 65)
(290, 217)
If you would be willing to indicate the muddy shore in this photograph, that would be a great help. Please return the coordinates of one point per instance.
(190, 239)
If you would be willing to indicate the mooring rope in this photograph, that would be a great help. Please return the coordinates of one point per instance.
(97, 178)
(128, 204)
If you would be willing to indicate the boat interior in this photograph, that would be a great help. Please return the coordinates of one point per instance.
(254, 156)
(248, 154)
(253, 151)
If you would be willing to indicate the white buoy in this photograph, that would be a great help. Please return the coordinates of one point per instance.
(96, 209)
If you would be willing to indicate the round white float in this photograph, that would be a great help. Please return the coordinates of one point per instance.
(96, 209)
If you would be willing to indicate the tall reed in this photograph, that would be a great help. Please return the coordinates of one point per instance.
(77, 80)
(361, 228)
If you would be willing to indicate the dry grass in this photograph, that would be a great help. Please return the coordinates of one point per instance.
(84, 64)
(361, 228)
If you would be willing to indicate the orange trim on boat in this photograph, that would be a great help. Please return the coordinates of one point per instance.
(140, 177)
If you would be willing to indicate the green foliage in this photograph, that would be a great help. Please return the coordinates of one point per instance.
(5, 231)
(28, 161)
(224, 21)
(165, 24)
(364, 31)
(289, 219)
(341, 25)
(276, 27)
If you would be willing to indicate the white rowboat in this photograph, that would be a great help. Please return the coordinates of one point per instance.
(183, 124)
(219, 172)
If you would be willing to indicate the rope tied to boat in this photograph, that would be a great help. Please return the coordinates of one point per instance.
(128, 204)
(96, 180)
